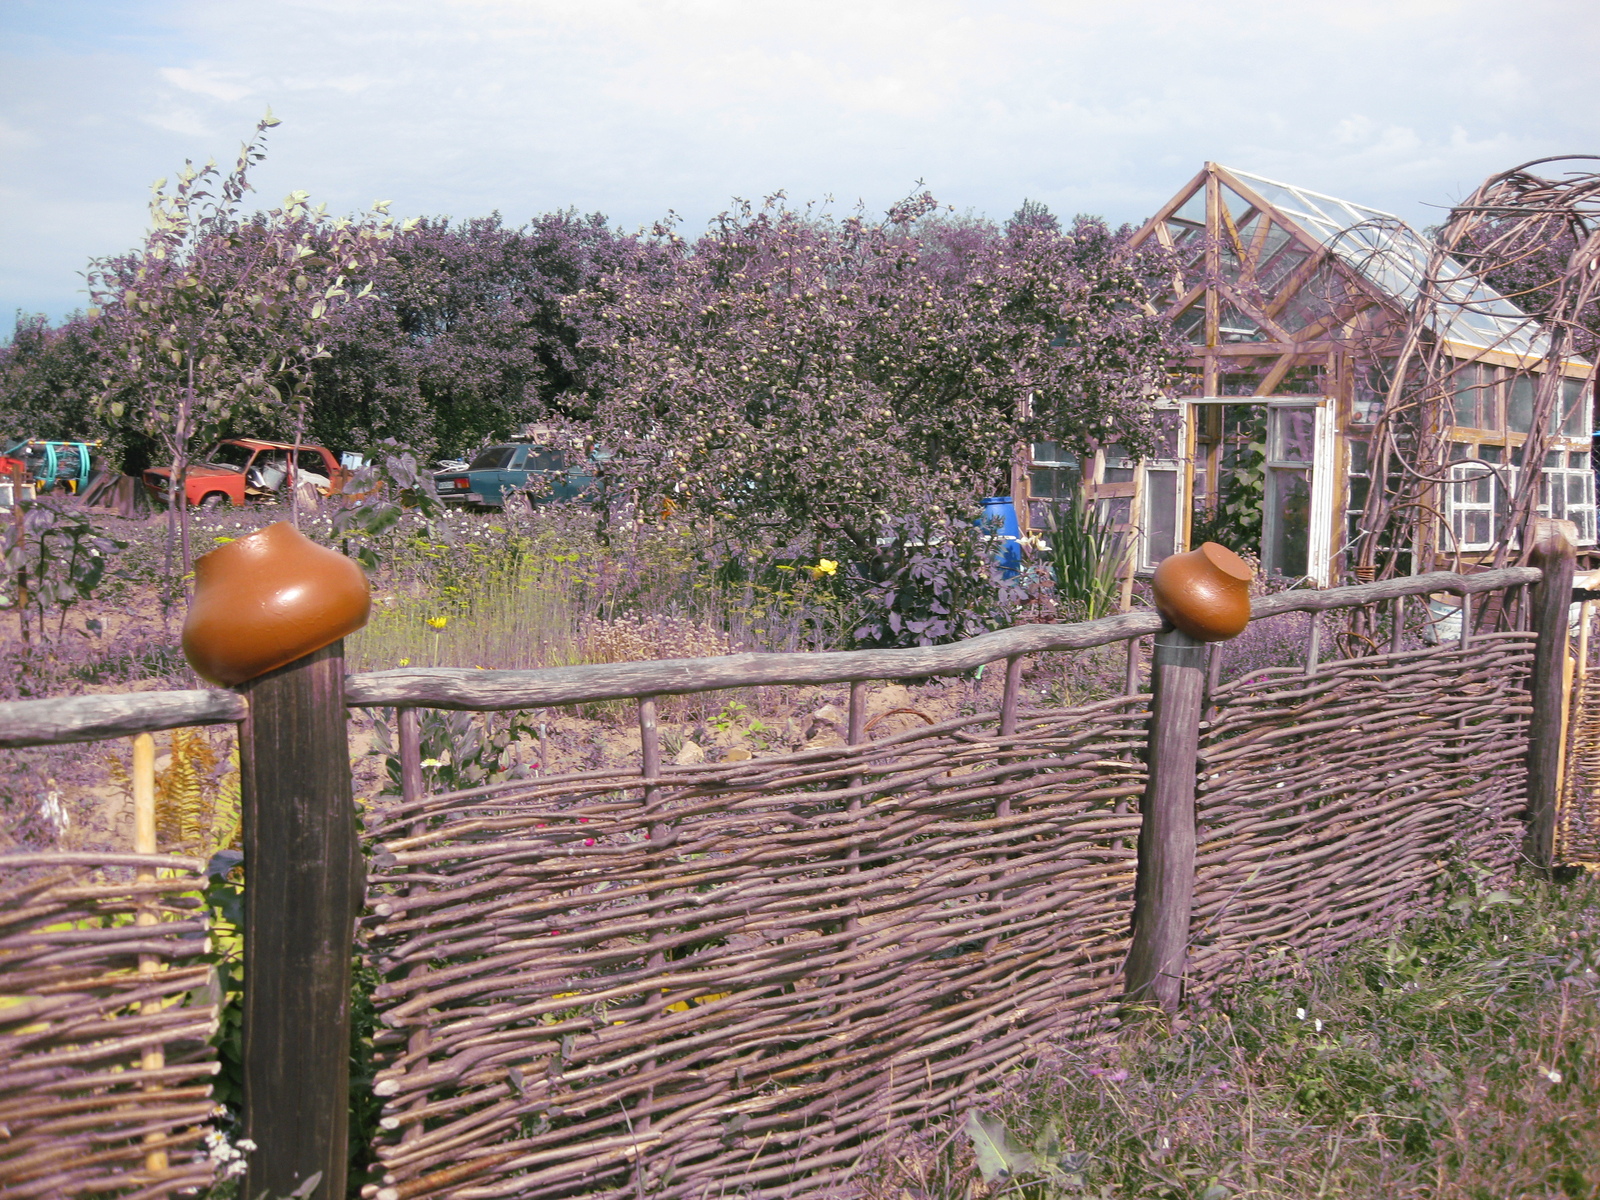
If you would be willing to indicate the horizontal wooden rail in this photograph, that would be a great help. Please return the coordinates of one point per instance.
(475, 690)
(91, 718)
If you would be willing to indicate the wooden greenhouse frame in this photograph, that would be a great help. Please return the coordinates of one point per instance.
(1295, 304)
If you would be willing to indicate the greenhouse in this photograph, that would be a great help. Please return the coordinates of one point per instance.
(1298, 306)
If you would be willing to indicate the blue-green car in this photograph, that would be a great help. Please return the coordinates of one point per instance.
(539, 474)
(52, 466)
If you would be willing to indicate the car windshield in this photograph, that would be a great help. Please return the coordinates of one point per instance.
(494, 458)
(230, 455)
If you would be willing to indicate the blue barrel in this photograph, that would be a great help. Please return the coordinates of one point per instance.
(1008, 556)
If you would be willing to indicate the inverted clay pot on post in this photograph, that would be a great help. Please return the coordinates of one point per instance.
(1205, 595)
(269, 616)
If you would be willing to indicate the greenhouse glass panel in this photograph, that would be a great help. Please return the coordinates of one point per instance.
(1191, 323)
(1519, 411)
(1573, 395)
(1234, 326)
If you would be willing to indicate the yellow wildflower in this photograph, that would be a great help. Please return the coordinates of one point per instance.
(405, 662)
(438, 622)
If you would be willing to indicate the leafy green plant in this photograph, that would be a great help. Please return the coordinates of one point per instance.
(1234, 518)
(1087, 559)
(999, 1159)
(54, 559)
(379, 495)
(929, 581)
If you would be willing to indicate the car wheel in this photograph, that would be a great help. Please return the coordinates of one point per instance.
(213, 500)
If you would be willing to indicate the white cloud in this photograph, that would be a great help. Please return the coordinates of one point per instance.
(633, 107)
(184, 121)
(203, 83)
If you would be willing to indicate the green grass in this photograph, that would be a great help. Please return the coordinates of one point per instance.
(1456, 1060)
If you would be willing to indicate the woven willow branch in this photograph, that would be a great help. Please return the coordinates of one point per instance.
(77, 1015)
(743, 975)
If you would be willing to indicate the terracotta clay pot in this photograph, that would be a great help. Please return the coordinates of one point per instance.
(268, 599)
(1205, 593)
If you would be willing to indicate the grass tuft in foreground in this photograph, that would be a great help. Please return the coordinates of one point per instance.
(1456, 1060)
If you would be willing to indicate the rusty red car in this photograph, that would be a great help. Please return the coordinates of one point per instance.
(241, 469)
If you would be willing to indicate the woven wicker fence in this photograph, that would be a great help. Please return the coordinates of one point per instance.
(744, 978)
(738, 979)
(1329, 802)
(105, 1021)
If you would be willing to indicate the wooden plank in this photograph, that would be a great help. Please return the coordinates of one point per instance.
(1164, 884)
(94, 718)
(462, 688)
(1553, 554)
(299, 841)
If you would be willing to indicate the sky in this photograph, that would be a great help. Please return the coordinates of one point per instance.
(637, 108)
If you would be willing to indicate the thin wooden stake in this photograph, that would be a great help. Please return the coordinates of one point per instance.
(1011, 697)
(1465, 637)
(1164, 887)
(408, 722)
(1397, 627)
(1585, 615)
(152, 1057)
(1131, 679)
(1214, 653)
(855, 735)
(650, 768)
(1314, 645)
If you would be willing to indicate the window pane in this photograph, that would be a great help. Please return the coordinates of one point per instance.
(1465, 388)
(1161, 501)
(1291, 527)
(1477, 531)
(1053, 483)
(1294, 434)
(1300, 381)
(1244, 381)
(1573, 394)
(1358, 457)
(1519, 413)
(1167, 424)
(493, 458)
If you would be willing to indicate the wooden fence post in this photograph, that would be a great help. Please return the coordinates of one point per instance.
(301, 855)
(1164, 888)
(1552, 598)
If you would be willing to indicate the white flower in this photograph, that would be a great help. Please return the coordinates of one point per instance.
(1552, 1076)
(1319, 1024)
(1299, 1014)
